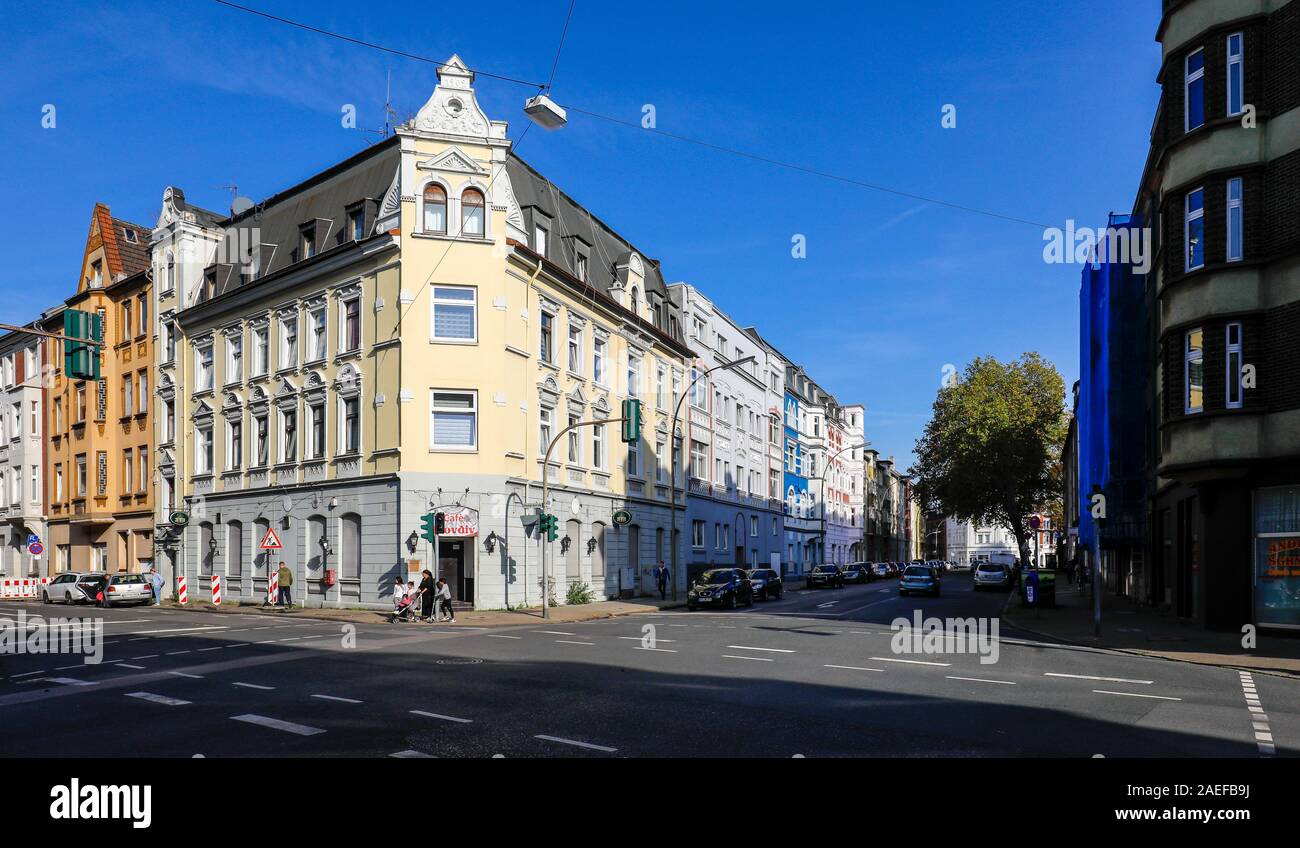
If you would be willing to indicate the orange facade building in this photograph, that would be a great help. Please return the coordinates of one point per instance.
(98, 469)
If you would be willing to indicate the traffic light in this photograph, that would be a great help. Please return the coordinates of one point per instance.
(548, 524)
(81, 360)
(427, 527)
(631, 420)
(440, 523)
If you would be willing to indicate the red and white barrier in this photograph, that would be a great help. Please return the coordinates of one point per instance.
(182, 593)
(22, 587)
(216, 590)
(273, 589)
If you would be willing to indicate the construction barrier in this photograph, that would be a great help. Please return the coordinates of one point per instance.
(22, 587)
(273, 589)
(182, 593)
(216, 590)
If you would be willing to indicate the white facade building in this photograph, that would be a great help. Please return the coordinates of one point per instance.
(22, 493)
(969, 543)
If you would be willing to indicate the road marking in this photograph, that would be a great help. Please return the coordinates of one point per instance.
(660, 650)
(127, 665)
(571, 642)
(175, 653)
(755, 659)
(853, 667)
(216, 648)
(253, 686)
(176, 630)
(27, 674)
(146, 657)
(1103, 679)
(910, 662)
(770, 650)
(639, 638)
(443, 717)
(501, 636)
(412, 755)
(277, 724)
(576, 742)
(157, 699)
(1259, 721)
(186, 674)
(336, 698)
(70, 681)
(1136, 695)
(981, 680)
(827, 604)
(555, 633)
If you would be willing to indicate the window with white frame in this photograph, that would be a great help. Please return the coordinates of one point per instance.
(34, 421)
(262, 440)
(143, 467)
(34, 476)
(633, 375)
(58, 482)
(316, 432)
(697, 533)
(541, 237)
(546, 340)
(575, 442)
(1234, 219)
(1194, 90)
(1236, 75)
(1232, 367)
(202, 450)
(142, 315)
(317, 338)
(598, 446)
(661, 386)
(234, 445)
(1194, 230)
(81, 475)
(351, 409)
(1193, 371)
(699, 460)
(580, 266)
(203, 367)
(633, 464)
(598, 346)
(351, 339)
(753, 525)
(288, 435)
(142, 396)
(128, 394)
(661, 462)
(545, 428)
(234, 359)
(471, 213)
(261, 351)
(575, 347)
(454, 424)
(289, 341)
(435, 208)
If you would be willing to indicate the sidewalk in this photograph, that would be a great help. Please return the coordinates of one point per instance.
(1127, 626)
(476, 618)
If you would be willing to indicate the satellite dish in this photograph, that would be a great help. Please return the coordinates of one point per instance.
(239, 206)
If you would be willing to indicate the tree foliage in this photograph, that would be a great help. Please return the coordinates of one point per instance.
(991, 451)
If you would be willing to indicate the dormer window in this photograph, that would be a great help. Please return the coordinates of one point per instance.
(129, 235)
(471, 213)
(540, 237)
(580, 266)
(96, 275)
(635, 304)
(308, 246)
(357, 224)
(435, 209)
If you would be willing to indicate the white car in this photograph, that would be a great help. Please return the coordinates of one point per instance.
(72, 587)
(129, 589)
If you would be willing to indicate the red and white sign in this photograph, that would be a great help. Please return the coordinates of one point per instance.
(273, 588)
(216, 590)
(182, 594)
(271, 542)
(459, 522)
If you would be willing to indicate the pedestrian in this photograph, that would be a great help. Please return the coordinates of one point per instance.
(156, 583)
(426, 595)
(399, 592)
(444, 596)
(102, 595)
(285, 579)
(661, 576)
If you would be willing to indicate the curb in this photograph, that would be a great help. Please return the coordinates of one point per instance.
(1134, 652)
(272, 612)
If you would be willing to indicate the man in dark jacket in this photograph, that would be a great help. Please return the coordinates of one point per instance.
(661, 576)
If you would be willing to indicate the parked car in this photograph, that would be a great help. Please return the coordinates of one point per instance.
(721, 587)
(858, 572)
(766, 584)
(825, 575)
(992, 575)
(129, 589)
(72, 587)
(920, 578)
(961, 566)
(881, 569)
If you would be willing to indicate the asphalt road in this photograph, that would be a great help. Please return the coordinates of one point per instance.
(815, 674)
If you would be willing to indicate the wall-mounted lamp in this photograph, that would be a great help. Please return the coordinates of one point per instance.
(212, 547)
(411, 542)
(325, 546)
(490, 543)
(334, 502)
(564, 544)
(591, 545)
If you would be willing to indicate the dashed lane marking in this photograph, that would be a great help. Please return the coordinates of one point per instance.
(1136, 695)
(157, 699)
(769, 650)
(502, 636)
(277, 724)
(571, 642)
(337, 698)
(911, 662)
(575, 743)
(412, 755)
(755, 659)
(981, 680)
(1102, 679)
(186, 674)
(253, 686)
(853, 667)
(555, 633)
(442, 717)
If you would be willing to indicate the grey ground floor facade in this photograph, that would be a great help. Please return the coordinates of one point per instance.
(348, 541)
(15, 561)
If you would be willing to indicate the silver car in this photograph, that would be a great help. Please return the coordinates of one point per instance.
(992, 575)
(129, 589)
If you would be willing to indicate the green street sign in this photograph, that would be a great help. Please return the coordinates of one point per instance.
(622, 517)
(179, 518)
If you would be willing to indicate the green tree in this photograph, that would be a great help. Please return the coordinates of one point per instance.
(991, 451)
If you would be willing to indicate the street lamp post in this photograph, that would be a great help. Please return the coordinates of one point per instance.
(672, 461)
(822, 480)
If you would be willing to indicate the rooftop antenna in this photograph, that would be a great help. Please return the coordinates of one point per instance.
(390, 114)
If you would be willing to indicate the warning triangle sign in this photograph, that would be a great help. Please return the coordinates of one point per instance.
(271, 542)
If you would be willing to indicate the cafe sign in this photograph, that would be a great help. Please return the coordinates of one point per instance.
(459, 522)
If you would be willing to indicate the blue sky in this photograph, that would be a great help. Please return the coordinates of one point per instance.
(1054, 105)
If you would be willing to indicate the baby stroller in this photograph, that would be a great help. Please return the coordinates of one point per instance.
(406, 610)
